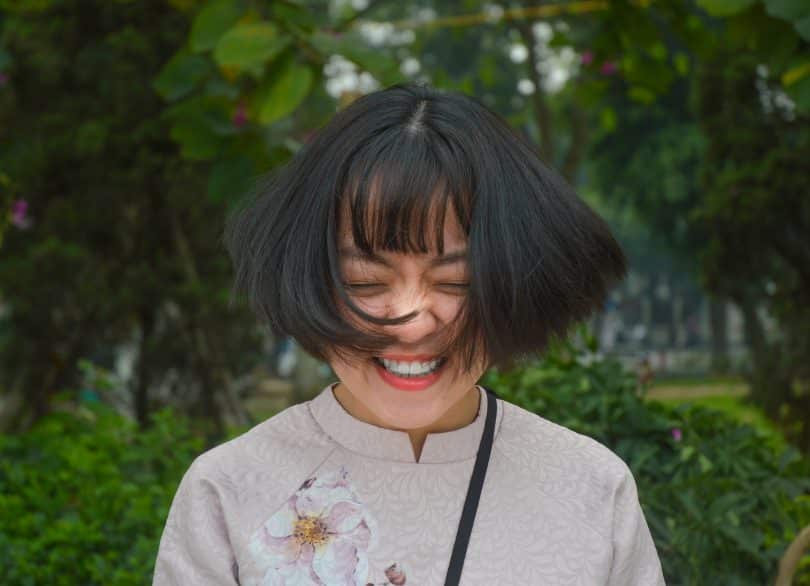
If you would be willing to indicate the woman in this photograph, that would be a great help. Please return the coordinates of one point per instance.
(414, 242)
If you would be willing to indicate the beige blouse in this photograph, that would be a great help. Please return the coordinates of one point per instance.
(315, 496)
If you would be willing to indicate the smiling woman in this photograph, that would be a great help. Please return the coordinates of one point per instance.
(416, 241)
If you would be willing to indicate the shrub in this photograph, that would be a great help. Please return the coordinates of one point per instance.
(723, 499)
(84, 496)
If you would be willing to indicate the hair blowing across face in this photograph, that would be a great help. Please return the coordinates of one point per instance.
(399, 159)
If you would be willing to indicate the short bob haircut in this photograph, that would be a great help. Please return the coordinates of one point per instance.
(539, 259)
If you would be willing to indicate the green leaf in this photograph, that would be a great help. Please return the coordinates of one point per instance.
(283, 92)
(787, 9)
(799, 92)
(91, 136)
(658, 51)
(249, 47)
(5, 59)
(681, 61)
(210, 111)
(180, 75)
(640, 70)
(607, 119)
(560, 39)
(294, 14)
(803, 27)
(724, 7)
(197, 143)
(592, 91)
(796, 73)
(199, 125)
(705, 463)
(641, 94)
(229, 179)
(216, 17)
(379, 62)
(216, 86)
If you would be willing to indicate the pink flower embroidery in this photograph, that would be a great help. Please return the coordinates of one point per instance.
(395, 575)
(321, 535)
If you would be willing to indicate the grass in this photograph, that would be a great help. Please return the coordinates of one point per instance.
(726, 394)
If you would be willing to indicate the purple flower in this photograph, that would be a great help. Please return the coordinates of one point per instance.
(321, 535)
(240, 117)
(3, 78)
(587, 57)
(608, 68)
(676, 434)
(19, 214)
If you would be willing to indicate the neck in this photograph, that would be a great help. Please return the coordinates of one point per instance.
(461, 414)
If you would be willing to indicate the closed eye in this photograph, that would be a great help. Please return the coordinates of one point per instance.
(367, 285)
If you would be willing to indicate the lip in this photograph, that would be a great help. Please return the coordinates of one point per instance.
(418, 383)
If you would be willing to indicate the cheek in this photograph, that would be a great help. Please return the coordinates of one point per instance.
(375, 306)
(447, 307)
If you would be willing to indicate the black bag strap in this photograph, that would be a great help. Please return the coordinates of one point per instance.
(473, 493)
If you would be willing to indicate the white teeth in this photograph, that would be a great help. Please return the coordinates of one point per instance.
(410, 368)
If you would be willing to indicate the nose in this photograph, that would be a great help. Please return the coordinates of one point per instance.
(422, 325)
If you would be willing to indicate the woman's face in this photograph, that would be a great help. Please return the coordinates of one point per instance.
(392, 285)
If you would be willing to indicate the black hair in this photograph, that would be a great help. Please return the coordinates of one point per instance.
(539, 259)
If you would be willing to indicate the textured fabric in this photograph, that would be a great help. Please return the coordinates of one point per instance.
(315, 496)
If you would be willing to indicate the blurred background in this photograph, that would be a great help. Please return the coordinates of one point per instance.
(129, 129)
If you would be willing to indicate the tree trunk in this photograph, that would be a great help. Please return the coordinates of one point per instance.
(216, 380)
(754, 332)
(15, 412)
(718, 322)
(579, 144)
(542, 113)
(141, 390)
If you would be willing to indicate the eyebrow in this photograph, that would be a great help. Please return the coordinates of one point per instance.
(445, 259)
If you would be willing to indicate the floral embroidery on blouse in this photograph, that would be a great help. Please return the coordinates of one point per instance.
(320, 536)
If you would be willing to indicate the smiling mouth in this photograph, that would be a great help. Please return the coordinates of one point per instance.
(410, 369)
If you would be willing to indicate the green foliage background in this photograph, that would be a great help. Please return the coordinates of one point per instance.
(722, 501)
(89, 510)
(131, 128)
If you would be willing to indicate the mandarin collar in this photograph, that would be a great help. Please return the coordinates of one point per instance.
(394, 445)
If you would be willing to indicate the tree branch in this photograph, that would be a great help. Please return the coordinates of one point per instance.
(579, 143)
(542, 113)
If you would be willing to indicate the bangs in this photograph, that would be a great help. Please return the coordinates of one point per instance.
(398, 189)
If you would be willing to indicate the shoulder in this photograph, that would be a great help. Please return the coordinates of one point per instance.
(286, 445)
(546, 450)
